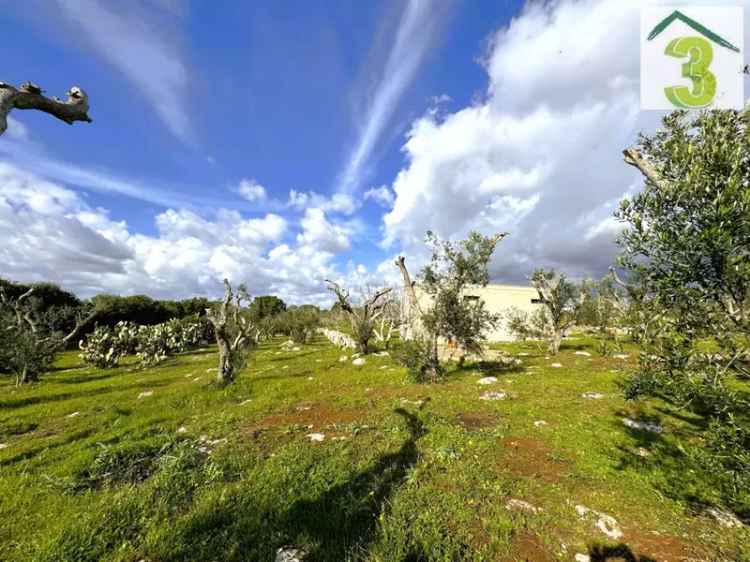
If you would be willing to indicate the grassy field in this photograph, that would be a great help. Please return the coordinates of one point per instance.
(160, 464)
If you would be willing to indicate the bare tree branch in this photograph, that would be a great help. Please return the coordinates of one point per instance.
(29, 96)
(634, 158)
(343, 297)
(80, 325)
(498, 238)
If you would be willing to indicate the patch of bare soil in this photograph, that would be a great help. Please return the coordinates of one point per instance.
(530, 458)
(477, 420)
(528, 547)
(660, 547)
(319, 416)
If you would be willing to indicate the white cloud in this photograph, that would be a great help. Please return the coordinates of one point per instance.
(32, 155)
(137, 43)
(251, 190)
(337, 203)
(541, 155)
(413, 37)
(50, 233)
(16, 130)
(319, 234)
(381, 195)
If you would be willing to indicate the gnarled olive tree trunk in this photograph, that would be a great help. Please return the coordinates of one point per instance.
(362, 318)
(232, 331)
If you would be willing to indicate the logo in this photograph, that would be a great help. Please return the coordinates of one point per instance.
(692, 58)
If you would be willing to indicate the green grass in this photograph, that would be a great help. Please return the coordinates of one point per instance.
(406, 471)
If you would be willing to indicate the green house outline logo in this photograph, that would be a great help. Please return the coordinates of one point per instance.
(678, 15)
(697, 49)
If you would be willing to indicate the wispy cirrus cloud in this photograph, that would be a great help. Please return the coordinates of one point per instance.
(417, 29)
(140, 44)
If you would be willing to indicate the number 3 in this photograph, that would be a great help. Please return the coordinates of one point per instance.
(704, 82)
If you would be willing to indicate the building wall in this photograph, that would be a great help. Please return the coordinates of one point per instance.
(499, 299)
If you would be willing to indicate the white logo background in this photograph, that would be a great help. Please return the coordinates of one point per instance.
(659, 71)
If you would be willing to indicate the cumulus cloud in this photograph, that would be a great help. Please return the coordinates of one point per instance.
(48, 232)
(540, 156)
(251, 190)
(51, 233)
(381, 195)
(319, 234)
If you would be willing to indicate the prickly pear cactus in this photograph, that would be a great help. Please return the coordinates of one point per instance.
(100, 348)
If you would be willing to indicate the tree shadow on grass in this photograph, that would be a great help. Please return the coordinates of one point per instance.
(337, 525)
(75, 379)
(621, 552)
(487, 368)
(41, 399)
(292, 355)
(343, 520)
(48, 446)
(675, 473)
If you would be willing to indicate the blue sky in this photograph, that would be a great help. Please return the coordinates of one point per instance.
(281, 142)
(276, 92)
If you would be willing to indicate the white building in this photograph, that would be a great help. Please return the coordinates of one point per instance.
(499, 299)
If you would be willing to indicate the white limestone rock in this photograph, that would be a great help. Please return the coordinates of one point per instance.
(519, 505)
(724, 518)
(643, 426)
(605, 523)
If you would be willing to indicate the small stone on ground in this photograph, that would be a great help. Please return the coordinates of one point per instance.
(290, 554)
(487, 380)
(583, 353)
(644, 426)
(493, 396)
(316, 437)
(592, 395)
(605, 523)
(519, 505)
(540, 423)
(724, 518)
(145, 394)
(556, 365)
(358, 362)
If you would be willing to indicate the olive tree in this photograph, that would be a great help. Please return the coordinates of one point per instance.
(234, 333)
(686, 249)
(561, 300)
(445, 313)
(27, 345)
(362, 318)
